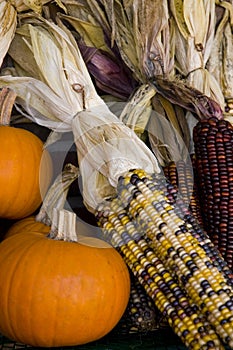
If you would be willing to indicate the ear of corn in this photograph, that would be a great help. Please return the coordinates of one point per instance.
(171, 300)
(182, 210)
(173, 264)
(181, 175)
(141, 315)
(213, 141)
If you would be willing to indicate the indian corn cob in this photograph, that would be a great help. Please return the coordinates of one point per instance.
(213, 140)
(181, 175)
(141, 315)
(182, 210)
(175, 266)
(168, 297)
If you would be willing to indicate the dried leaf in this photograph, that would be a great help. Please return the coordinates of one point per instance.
(64, 85)
(91, 33)
(8, 22)
(137, 110)
(107, 148)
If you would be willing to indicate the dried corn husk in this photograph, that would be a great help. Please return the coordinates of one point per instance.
(51, 85)
(194, 39)
(137, 110)
(8, 22)
(220, 63)
(106, 147)
(140, 30)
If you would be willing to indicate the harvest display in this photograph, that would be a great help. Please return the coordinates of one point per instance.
(144, 88)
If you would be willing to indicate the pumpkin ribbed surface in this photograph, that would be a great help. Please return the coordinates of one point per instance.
(25, 172)
(56, 293)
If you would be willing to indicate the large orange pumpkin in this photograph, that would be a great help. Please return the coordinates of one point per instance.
(25, 172)
(59, 293)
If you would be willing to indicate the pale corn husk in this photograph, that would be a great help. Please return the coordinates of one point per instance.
(194, 39)
(35, 6)
(150, 115)
(8, 23)
(139, 29)
(52, 93)
(137, 111)
(220, 63)
(86, 25)
(106, 147)
(106, 150)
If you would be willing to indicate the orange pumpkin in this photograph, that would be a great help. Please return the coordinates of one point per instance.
(59, 293)
(25, 172)
(28, 224)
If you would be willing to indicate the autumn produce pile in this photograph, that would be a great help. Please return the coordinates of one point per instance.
(143, 91)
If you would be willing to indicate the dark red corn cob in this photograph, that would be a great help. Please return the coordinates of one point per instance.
(181, 175)
(213, 141)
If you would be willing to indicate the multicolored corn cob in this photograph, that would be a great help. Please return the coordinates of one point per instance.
(141, 315)
(171, 265)
(213, 141)
(182, 210)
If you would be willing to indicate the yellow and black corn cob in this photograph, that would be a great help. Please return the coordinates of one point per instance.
(141, 315)
(174, 265)
(181, 175)
(181, 209)
(171, 300)
(213, 141)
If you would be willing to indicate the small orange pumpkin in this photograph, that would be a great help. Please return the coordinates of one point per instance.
(25, 167)
(60, 293)
(25, 172)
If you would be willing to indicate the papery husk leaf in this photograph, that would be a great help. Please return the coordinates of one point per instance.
(151, 28)
(106, 146)
(228, 63)
(88, 11)
(195, 19)
(215, 60)
(202, 80)
(137, 110)
(194, 45)
(178, 92)
(35, 5)
(122, 32)
(170, 113)
(220, 63)
(8, 23)
(56, 195)
(92, 34)
(177, 9)
(64, 79)
(174, 114)
(141, 32)
(166, 143)
(22, 54)
(39, 102)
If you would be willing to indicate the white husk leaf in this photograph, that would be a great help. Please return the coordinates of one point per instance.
(53, 100)
(165, 141)
(137, 110)
(8, 22)
(107, 149)
(194, 41)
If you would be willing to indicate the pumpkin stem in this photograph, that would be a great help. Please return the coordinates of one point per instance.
(57, 194)
(63, 226)
(7, 99)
